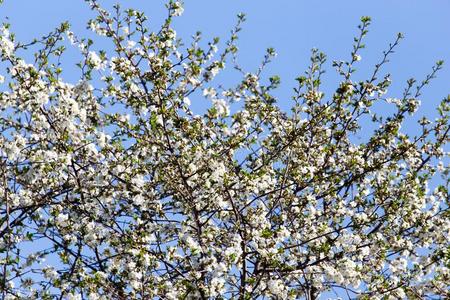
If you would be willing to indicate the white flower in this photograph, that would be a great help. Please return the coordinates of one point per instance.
(5, 43)
(131, 44)
(102, 139)
(138, 200)
(209, 92)
(10, 284)
(72, 296)
(218, 171)
(217, 286)
(222, 107)
(95, 60)
(50, 273)
(93, 296)
(82, 88)
(61, 219)
(71, 37)
(41, 98)
(177, 9)
(159, 120)
(276, 287)
(187, 101)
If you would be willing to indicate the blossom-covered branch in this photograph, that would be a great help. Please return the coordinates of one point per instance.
(116, 187)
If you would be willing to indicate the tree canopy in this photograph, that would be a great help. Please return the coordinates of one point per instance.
(114, 187)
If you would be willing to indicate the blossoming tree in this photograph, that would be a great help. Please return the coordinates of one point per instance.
(114, 188)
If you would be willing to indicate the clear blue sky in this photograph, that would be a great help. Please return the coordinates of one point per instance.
(292, 27)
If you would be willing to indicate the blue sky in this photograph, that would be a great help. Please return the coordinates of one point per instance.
(292, 27)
